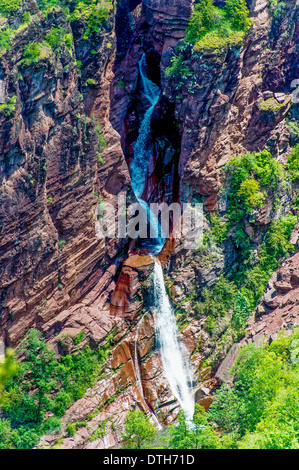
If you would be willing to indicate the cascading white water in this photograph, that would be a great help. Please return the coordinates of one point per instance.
(141, 154)
(174, 355)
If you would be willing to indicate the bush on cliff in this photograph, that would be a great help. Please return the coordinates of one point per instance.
(216, 28)
(43, 388)
(261, 409)
(139, 431)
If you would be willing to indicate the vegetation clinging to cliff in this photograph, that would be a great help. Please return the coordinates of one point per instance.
(7, 6)
(212, 28)
(253, 180)
(33, 402)
(261, 409)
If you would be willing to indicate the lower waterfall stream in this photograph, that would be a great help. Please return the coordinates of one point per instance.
(174, 354)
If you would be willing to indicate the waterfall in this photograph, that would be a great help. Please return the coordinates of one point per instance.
(139, 166)
(174, 355)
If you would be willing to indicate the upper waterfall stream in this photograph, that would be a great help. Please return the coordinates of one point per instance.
(174, 355)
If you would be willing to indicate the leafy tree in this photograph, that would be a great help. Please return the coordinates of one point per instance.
(8, 6)
(293, 163)
(238, 13)
(40, 374)
(139, 431)
(250, 193)
(197, 434)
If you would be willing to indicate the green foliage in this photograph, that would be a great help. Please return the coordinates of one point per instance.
(242, 310)
(32, 53)
(8, 6)
(216, 28)
(90, 81)
(51, 425)
(278, 9)
(99, 432)
(58, 36)
(5, 38)
(249, 177)
(198, 434)
(218, 229)
(238, 13)
(71, 429)
(249, 192)
(101, 138)
(7, 369)
(178, 69)
(261, 409)
(293, 127)
(293, 163)
(26, 17)
(139, 431)
(43, 388)
(217, 300)
(221, 300)
(93, 13)
(211, 28)
(9, 106)
(80, 337)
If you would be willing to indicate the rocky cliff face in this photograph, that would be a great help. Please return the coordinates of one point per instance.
(50, 175)
(56, 275)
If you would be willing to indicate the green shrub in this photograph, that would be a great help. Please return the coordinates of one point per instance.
(90, 81)
(218, 229)
(293, 163)
(51, 425)
(218, 300)
(5, 38)
(80, 337)
(58, 36)
(9, 106)
(99, 432)
(44, 385)
(8, 6)
(139, 431)
(199, 435)
(71, 429)
(32, 53)
(249, 192)
(261, 409)
(93, 13)
(237, 12)
(211, 27)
